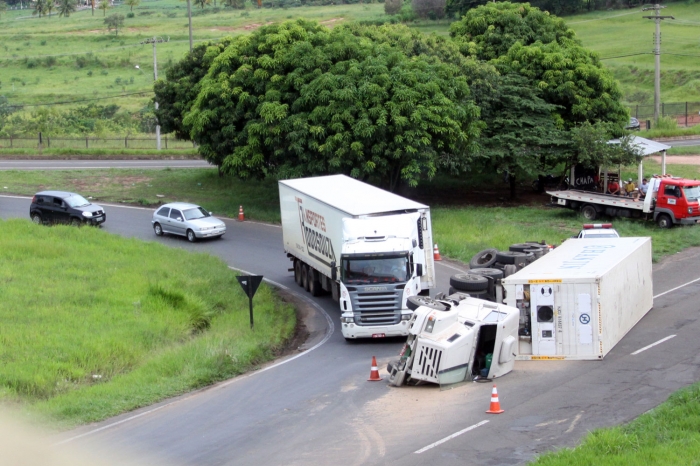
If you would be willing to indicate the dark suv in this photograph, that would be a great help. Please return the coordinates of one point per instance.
(64, 207)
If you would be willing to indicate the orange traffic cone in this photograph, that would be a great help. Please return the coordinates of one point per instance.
(241, 217)
(436, 253)
(495, 407)
(374, 373)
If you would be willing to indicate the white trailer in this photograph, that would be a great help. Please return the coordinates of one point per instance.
(369, 248)
(579, 300)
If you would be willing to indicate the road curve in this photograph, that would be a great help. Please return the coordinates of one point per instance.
(319, 408)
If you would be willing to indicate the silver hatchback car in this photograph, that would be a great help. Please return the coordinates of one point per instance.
(190, 220)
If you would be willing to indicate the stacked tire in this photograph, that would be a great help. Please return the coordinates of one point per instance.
(518, 256)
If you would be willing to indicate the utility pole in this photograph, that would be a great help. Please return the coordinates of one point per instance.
(154, 41)
(657, 56)
(189, 16)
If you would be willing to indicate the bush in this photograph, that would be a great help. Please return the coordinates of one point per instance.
(130, 14)
(392, 7)
(667, 122)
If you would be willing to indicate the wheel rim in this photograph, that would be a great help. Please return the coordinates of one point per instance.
(36, 219)
(158, 229)
(190, 236)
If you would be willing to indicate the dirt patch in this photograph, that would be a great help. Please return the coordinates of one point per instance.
(331, 22)
(301, 334)
(678, 159)
(90, 184)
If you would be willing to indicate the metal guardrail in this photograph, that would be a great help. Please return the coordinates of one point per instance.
(48, 142)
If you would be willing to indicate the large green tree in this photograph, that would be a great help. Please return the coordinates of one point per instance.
(66, 7)
(489, 31)
(521, 131)
(299, 99)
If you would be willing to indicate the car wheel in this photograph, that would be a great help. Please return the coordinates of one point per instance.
(157, 229)
(36, 218)
(589, 212)
(191, 236)
(75, 222)
(664, 221)
(483, 259)
(414, 302)
(305, 276)
(469, 282)
(297, 273)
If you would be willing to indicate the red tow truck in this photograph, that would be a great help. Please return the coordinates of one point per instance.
(674, 203)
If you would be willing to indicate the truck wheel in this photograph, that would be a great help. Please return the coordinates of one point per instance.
(589, 212)
(493, 273)
(510, 257)
(469, 282)
(314, 285)
(509, 270)
(483, 259)
(297, 273)
(520, 247)
(664, 221)
(414, 302)
(536, 253)
(305, 276)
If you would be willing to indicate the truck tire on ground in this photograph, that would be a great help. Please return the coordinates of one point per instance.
(314, 285)
(494, 273)
(536, 253)
(469, 282)
(483, 259)
(305, 276)
(509, 270)
(297, 273)
(510, 257)
(664, 221)
(414, 302)
(589, 212)
(520, 247)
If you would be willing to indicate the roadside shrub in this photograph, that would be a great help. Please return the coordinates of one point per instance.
(50, 61)
(130, 14)
(667, 122)
(392, 7)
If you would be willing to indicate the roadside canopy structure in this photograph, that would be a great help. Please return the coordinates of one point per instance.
(648, 147)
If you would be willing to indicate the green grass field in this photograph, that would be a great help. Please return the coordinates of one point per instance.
(52, 59)
(93, 324)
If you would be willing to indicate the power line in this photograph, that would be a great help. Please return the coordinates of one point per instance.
(82, 100)
(681, 54)
(607, 17)
(629, 55)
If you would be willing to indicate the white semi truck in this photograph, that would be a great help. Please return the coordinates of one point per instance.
(369, 248)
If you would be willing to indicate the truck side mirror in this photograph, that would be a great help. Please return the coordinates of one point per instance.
(419, 270)
(334, 271)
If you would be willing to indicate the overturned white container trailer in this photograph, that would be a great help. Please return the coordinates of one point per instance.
(578, 301)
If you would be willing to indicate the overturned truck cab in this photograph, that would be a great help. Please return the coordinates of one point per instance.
(454, 339)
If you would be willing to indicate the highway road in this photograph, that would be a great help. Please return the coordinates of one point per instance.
(317, 407)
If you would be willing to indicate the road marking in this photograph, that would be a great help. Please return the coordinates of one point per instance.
(677, 288)
(450, 437)
(652, 345)
(451, 267)
(574, 422)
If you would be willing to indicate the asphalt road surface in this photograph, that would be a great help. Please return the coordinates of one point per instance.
(317, 407)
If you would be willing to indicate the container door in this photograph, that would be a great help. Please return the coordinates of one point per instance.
(542, 305)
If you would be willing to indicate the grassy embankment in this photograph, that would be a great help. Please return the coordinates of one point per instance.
(93, 324)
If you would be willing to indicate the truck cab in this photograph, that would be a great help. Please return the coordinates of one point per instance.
(676, 202)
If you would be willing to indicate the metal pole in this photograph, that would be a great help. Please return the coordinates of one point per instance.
(155, 78)
(657, 56)
(189, 16)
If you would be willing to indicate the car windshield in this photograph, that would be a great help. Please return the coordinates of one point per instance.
(358, 270)
(194, 214)
(76, 200)
(692, 193)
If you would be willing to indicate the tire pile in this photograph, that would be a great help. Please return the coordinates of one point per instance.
(490, 266)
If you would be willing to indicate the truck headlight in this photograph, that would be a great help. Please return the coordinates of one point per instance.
(347, 320)
(430, 324)
(406, 316)
(690, 210)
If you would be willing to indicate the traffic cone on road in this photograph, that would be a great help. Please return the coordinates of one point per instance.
(374, 373)
(241, 217)
(495, 407)
(436, 253)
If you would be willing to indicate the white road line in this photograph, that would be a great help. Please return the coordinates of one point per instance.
(652, 345)
(451, 267)
(450, 437)
(677, 288)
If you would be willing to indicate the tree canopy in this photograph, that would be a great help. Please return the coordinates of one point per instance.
(298, 99)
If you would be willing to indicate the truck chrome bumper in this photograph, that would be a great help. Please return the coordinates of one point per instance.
(351, 330)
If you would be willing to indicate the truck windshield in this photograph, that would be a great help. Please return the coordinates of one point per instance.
(692, 193)
(384, 269)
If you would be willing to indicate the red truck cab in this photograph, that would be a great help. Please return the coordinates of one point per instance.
(677, 202)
